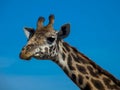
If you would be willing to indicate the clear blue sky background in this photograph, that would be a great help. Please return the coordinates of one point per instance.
(95, 31)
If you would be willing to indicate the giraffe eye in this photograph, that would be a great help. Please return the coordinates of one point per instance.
(50, 40)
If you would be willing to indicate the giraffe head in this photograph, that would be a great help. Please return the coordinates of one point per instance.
(42, 42)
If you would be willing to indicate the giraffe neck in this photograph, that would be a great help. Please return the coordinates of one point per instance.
(84, 72)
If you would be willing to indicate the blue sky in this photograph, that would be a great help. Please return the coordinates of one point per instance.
(95, 31)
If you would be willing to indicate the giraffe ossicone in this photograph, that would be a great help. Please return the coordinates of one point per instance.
(47, 43)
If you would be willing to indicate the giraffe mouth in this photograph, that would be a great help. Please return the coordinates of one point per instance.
(28, 55)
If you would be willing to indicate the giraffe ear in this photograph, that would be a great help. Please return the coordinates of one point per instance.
(64, 32)
(29, 32)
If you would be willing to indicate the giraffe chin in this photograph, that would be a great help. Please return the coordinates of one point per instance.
(28, 58)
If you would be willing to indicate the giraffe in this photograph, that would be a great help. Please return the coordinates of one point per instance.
(47, 43)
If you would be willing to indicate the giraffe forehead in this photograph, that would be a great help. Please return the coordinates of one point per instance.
(44, 33)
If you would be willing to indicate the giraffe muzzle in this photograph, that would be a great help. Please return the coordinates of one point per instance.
(24, 56)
